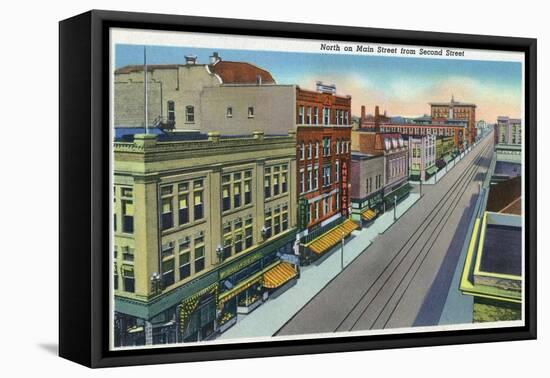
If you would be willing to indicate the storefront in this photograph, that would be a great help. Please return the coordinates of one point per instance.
(320, 245)
(396, 196)
(365, 211)
(246, 283)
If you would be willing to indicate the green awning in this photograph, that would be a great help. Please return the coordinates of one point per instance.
(431, 170)
(447, 158)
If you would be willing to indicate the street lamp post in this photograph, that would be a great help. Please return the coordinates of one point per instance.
(394, 208)
(421, 184)
(342, 251)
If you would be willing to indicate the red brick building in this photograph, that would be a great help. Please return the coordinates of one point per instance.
(323, 134)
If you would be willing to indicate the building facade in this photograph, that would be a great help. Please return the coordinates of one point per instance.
(323, 133)
(230, 97)
(396, 161)
(455, 110)
(200, 227)
(508, 131)
(422, 156)
(367, 186)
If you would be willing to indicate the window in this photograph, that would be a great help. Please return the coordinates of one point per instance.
(302, 151)
(276, 187)
(308, 115)
(316, 149)
(184, 257)
(267, 225)
(300, 115)
(128, 279)
(199, 206)
(115, 277)
(326, 146)
(237, 194)
(316, 115)
(127, 254)
(267, 184)
(338, 146)
(183, 211)
(250, 112)
(168, 250)
(248, 238)
(247, 192)
(227, 241)
(326, 175)
(128, 216)
(337, 114)
(199, 252)
(285, 217)
(326, 205)
(284, 181)
(229, 112)
(190, 114)
(309, 179)
(309, 150)
(127, 210)
(326, 116)
(347, 117)
(166, 216)
(337, 171)
(238, 232)
(171, 112)
(226, 198)
(316, 177)
(316, 209)
(302, 181)
(168, 272)
(277, 220)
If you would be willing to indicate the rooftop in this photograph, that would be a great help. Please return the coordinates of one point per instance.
(229, 72)
(502, 250)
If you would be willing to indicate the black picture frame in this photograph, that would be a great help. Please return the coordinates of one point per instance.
(84, 190)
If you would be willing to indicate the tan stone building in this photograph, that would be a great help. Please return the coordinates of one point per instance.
(198, 227)
(232, 97)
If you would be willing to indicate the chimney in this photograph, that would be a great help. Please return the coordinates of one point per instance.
(376, 118)
(363, 114)
(215, 58)
(190, 59)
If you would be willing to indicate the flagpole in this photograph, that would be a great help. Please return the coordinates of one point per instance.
(145, 88)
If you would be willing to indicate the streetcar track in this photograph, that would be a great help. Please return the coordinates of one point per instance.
(426, 222)
(425, 252)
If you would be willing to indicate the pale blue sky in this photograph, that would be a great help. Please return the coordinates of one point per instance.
(401, 85)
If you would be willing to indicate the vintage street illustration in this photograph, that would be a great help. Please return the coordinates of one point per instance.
(261, 194)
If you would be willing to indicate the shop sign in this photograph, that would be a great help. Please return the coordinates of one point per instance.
(344, 189)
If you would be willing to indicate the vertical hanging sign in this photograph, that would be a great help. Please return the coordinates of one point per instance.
(344, 189)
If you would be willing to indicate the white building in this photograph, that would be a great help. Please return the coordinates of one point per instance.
(422, 156)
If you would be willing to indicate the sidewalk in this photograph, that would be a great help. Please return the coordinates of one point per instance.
(273, 314)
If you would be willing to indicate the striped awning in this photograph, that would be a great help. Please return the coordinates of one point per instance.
(368, 214)
(326, 241)
(279, 275)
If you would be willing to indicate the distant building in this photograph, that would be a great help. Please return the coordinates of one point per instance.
(422, 156)
(367, 186)
(508, 131)
(201, 226)
(458, 111)
(442, 128)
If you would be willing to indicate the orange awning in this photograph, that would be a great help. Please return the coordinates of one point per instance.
(331, 238)
(368, 214)
(279, 275)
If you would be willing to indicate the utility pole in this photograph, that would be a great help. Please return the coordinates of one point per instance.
(394, 208)
(342, 251)
(145, 89)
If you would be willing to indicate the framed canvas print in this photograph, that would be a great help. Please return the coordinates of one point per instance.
(234, 188)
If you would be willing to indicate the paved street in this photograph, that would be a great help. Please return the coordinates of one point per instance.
(406, 275)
